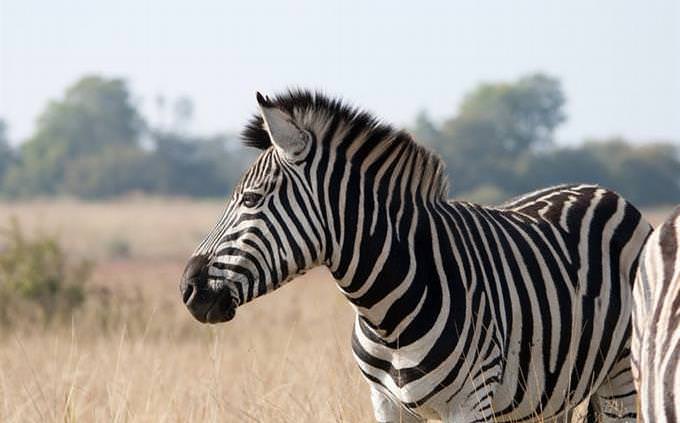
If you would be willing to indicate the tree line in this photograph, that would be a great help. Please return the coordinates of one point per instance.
(94, 143)
(501, 143)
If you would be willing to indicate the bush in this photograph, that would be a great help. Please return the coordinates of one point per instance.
(37, 281)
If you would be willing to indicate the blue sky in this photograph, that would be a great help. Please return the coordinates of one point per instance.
(619, 60)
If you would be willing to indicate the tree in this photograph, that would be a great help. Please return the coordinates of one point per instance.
(517, 117)
(182, 113)
(496, 128)
(425, 131)
(646, 174)
(6, 153)
(115, 171)
(500, 143)
(88, 144)
(559, 166)
(180, 164)
(95, 115)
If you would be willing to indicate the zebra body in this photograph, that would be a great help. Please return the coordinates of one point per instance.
(571, 251)
(656, 324)
(464, 313)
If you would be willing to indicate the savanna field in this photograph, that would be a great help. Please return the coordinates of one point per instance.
(132, 353)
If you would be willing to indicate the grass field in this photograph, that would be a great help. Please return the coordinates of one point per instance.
(285, 358)
(142, 358)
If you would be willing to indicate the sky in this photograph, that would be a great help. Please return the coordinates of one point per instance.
(618, 60)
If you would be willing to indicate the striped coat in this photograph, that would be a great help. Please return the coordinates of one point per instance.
(656, 325)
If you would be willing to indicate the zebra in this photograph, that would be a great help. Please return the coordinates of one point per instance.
(463, 313)
(656, 324)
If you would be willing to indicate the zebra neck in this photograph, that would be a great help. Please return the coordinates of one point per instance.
(387, 200)
(392, 271)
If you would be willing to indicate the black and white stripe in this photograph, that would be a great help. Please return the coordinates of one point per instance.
(464, 313)
(656, 324)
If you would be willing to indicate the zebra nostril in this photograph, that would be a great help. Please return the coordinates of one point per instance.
(194, 276)
(188, 291)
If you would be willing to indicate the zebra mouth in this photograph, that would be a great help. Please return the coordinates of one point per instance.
(222, 310)
(208, 306)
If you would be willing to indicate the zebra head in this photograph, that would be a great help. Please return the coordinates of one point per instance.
(270, 230)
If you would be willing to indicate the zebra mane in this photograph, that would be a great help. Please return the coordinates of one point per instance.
(314, 104)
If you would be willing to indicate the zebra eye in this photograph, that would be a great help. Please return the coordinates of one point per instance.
(250, 199)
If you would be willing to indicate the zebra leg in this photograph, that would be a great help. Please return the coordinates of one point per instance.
(387, 411)
(616, 398)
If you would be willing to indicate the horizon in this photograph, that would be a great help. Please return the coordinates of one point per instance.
(617, 82)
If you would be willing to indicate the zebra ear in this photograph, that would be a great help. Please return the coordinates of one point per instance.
(284, 133)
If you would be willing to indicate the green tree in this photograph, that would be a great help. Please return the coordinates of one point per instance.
(114, 171)
(496, 127)
(196, 166)
(425, 131)
(6, 153)
(646, 174)
(516, 116)
(559, 166)
(182, 113)
(95, 115)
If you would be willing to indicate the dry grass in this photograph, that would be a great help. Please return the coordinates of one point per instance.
(280, 361)
(140, 357)
(152, 227)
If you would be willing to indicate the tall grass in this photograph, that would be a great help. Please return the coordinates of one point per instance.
(285, 358)
(132, 353)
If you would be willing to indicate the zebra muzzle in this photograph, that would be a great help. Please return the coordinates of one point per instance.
(206, 304)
